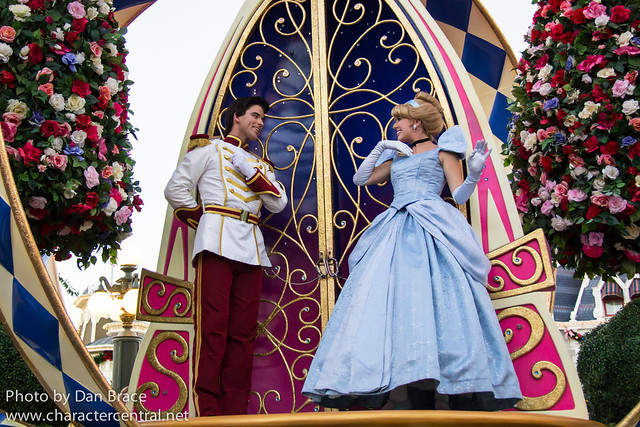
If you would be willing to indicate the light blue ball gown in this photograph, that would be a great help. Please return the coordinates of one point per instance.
(415, 309)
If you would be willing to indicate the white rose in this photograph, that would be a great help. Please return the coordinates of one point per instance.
(580, 170)
(111, 207)
(79, 58)
(70, 117)
(533, 160)
(24, 53)
(607, 72)
(20, 11)
(75, 103)
(625, 38)
(48, 152)
(99, 128)
(558, 223)
(530, 77)
(112, 85)
(536, 201)
(629, 107)
(601, 21)
(599, 184)
(570, 120)
(545, 89)
(556, 199)
(545, 71)
(634, 232)
(590, 107)
(543, 194)
(58, 34)
(637, 180)
(610, 172)
(573, 97)
(69, 193)
(530, 142)
(104, 8)
(111, 49)
(118, 172)
(78, 137)
(57, 101)
(18, 107)
(586, 79)
(86, 225)
(97, 64)
(57, 144)
(5, 52)
(92, 13)
(631, 89)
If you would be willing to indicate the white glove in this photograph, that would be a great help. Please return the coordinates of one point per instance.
(242, 165)
(475, 164)
(369, 163)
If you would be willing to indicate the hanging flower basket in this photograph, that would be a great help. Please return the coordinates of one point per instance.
(64, 105)
(573, 146)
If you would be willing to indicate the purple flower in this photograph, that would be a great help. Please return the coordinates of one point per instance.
(570, 63)
(36, 118)
(635, 41)
(551, 104)
(561, 138)
(70, 60)
(627, 141)
(74, 151)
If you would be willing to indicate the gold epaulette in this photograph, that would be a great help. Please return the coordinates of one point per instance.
(198, 140)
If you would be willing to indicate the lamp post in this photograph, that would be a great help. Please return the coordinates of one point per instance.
(121, 304)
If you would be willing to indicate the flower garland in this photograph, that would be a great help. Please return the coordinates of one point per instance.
(103, 357)
(576, 336)
(573, 146)
(64, 105)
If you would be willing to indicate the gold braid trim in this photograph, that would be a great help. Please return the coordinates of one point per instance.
(198, 142)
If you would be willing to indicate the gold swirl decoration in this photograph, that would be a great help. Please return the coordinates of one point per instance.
(537, 328)
(548, 400)
(153, 387)
(541, 278)
(182, 312)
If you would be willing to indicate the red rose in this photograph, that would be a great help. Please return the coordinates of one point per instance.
(567, 149)
(81, 88)
(83, 121)
(545, 162)
(591, 144)
(577, 16)
(51, 128)
(592, 251)
(79, 25)
(29, 153)
(593, 211)
(92, 200)
(38, 213)
(137, 203)
(36, 4)
(35, 53)
(598, 94)
(544, 60)
(619, 14)
(7, 78)
(634, 151)
(610, 148)
(71, 37)
(62, 256)
(556, 32)
(558, 78)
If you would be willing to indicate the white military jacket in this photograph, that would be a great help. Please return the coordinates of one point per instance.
(220, 185)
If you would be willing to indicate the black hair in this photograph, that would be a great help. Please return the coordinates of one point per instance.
(240, 106)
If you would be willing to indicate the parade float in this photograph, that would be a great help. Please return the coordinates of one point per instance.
(332, 71)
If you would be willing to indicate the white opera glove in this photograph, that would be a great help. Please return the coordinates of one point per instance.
(369, 163)
(475, 164)
(242, 165)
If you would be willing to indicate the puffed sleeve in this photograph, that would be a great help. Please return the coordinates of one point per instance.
(453, 140)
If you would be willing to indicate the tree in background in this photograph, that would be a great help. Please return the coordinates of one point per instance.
(609, 366)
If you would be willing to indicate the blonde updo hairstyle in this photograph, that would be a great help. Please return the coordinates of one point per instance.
(429, 113)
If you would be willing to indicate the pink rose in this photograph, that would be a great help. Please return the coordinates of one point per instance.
(122, 215)
(594, 10)
(595, 239)
(601, 200)
(561, 189)
(617, 204)
(45, 72)
(76, 9)
(91, 176)
(592, 251)
(577, 195)
(13, 152)
(620, 88)
(9, 131)
(12, 118)
(607, 159)
(533, 171)
(107, 172)
(522, 201)
(115, 195)
(7, 34)
(547, 208)
(38, 202)
(96, 49)
(632, 255)
(59, 161)
(627, 50)
(46, 88)
(635, 122)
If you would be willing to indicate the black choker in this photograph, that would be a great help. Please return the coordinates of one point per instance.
(414, 143)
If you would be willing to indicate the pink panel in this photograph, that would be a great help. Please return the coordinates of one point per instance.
(545, 351)
(168, 386)
(522, 272)
(157, 301)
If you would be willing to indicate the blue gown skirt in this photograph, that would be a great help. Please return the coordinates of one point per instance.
(409, 313)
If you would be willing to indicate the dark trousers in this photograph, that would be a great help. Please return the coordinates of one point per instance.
(227, 297)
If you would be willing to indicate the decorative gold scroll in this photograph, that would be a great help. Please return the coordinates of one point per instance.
(181, 313)
(502, 275)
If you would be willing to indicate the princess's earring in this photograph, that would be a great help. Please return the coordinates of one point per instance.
(414, 127)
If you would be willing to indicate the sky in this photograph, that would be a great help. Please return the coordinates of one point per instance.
(172, 46)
